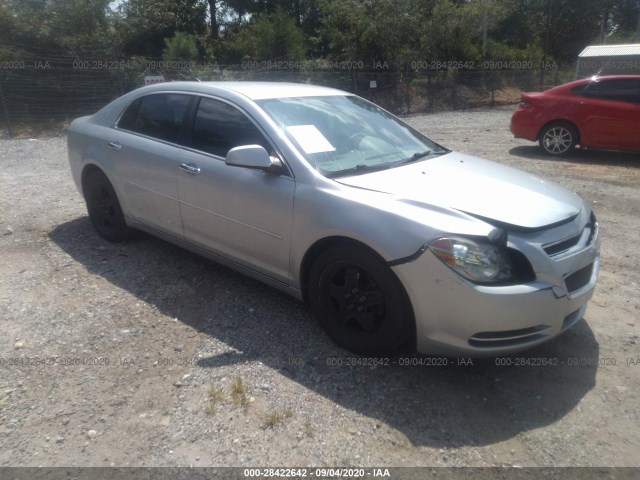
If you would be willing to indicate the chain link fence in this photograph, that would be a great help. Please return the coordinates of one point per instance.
(37, 96)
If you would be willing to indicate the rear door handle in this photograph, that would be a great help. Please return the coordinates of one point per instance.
(115, 145)
(190, 168)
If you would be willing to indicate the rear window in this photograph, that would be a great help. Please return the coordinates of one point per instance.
(162, 116)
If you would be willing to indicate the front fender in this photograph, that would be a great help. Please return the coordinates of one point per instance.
(392, 228)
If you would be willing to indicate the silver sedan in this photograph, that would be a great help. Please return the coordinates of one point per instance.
(394, 240)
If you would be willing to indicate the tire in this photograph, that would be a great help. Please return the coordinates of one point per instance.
(359, 301)
(104, 208)
(558, 139)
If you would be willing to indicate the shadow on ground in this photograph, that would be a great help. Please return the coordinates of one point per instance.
(599, 157)
(446, 406)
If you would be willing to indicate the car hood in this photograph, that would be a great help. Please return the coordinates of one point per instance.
(479, 187)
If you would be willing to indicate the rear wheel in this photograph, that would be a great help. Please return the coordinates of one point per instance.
(104, 208)
(558, 138)
(359, 301)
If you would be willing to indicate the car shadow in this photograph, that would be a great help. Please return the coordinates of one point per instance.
(465, 403)
(600, 157)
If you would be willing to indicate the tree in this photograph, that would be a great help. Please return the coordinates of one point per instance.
(213, 19)
(624, 25)
(180, 47)
(67, 27)
(144, 24)
(270, 37)
(560, 27)
(449, 32)
(369, 31)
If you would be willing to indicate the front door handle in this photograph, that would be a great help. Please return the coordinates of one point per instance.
(115, 145)
(190, 168)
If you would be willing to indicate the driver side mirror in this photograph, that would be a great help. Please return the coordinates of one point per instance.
(249, 156)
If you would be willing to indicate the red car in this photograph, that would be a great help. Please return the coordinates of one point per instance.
(596, 112)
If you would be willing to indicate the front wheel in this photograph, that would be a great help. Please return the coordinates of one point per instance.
(104, 208)
(558, 139)
(359, 301)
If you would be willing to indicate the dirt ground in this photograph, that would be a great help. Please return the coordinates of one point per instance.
(142, 354)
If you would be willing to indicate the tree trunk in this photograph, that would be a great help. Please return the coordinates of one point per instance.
(213, 10)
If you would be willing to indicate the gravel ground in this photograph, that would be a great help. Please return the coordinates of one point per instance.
(142, 354)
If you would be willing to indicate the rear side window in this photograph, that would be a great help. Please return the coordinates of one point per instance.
(621, 89)
(219, 127)
(162, 116)
(128, 118)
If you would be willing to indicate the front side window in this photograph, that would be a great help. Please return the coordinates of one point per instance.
(163, 116)
(219, 127)
(346, 135)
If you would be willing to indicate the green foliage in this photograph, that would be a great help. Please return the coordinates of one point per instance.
(449, 32)
(564, 27)
(180, 47)
(623, 21)
(144, 24)
(367, 31)
(502, 52)
(272, 36)
(70, 26)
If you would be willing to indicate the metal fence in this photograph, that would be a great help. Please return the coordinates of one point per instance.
(41, 95)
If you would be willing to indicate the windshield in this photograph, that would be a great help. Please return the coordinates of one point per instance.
(347, 135)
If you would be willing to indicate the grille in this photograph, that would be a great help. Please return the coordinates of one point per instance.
(563, 245)
(578, 279)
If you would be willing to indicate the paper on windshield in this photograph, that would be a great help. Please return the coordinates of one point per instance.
(310, 139)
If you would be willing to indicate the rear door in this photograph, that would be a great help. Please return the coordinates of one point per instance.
(145, 148)
(240, 213)
(610, 113)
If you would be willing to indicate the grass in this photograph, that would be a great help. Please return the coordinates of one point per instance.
(239, 392)
(308, 429)
(277, 417)
(216, 397)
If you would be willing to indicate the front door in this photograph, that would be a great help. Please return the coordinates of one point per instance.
(240, 213)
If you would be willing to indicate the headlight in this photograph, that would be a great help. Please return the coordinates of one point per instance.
(476, 261)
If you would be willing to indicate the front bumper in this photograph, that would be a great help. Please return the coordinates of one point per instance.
(456, 317)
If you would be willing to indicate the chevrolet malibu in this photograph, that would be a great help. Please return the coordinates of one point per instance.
(394, 240)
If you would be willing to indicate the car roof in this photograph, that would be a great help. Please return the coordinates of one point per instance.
(598, 78)
(565, 87)
(252, 90)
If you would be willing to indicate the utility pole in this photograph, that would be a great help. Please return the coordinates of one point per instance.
(638, 24)
(485, 26)
(6, 113)
(603, 27)
(546, 42)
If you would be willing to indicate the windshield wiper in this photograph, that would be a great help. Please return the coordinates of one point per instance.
(362, 168)
(358, 169)
(420, 155)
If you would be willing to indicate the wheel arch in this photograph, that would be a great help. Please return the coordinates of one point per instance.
(320, 246)
(92, 167)
(324, 244)
(561, 121)
(87, 170)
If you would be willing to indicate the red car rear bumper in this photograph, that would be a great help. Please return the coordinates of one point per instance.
(523, 126)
